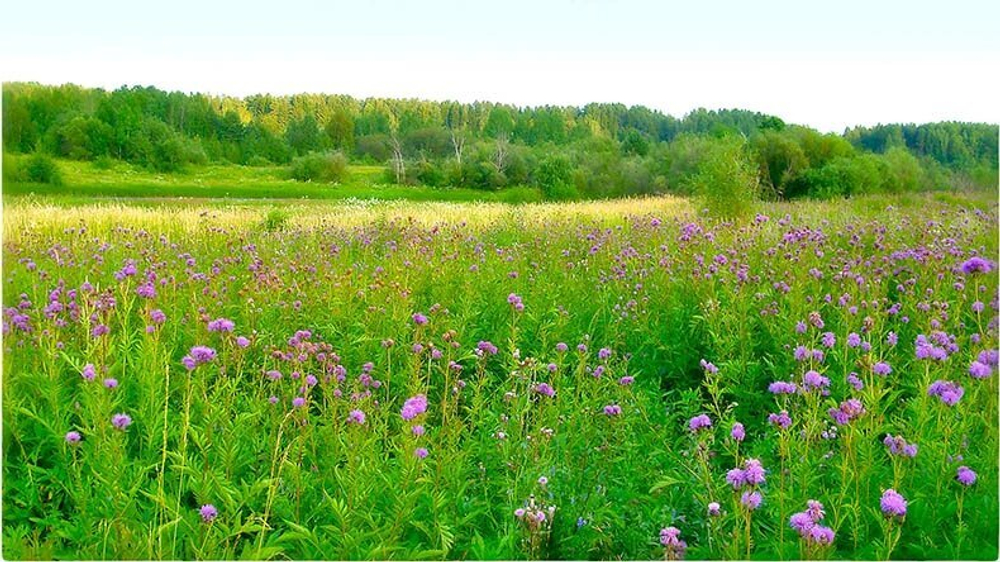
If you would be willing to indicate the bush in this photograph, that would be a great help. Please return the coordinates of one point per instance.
(325, 168)
(554, 176)
(426, 172)
(275, 220)
(37, 168)
(10, 169)
(727, 178)
(104, 163)
(843, 177)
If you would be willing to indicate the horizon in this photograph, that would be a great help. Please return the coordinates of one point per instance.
(863, 65)
(679, 116)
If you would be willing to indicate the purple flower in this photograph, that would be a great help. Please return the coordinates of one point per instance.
(801, 522)
(976, 264)
(820, 535)
(893, 504)
(110, 383)
(800, 327)
(881, 368)
(121, 421)
(515, 301)
(853, 340)
(898, 446)
(208, 513)
(736, 478)
(542, 481)
(949, 393)
(221, 325)
(626, 380)
(356, 416)
(417, 430)
(519, 513)
(855, 382)
(419, 319)
(714, 509)
(413, 407)
(848, 410)
(781, 420)
(782, 387)
(699, 422)
(242, 341)
(815, 510)
(709, 367)
(157, 316)
(753, 472)
(892, 339)
(751, 500)
(812, 380)
(545, 389)
(487, 347)
(965, 476)
(829, 340)
(89, 372)
(73, 437)
(989, 357)
(671, 541)
(298, 402)
(562, 347)
(420, 452)
(612, 410)
(738, 433)
(979, 370)
(199, 355)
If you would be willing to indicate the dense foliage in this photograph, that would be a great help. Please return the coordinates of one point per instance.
(623, 380)
(611, 149)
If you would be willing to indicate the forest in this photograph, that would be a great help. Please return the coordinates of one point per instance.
(599, 150)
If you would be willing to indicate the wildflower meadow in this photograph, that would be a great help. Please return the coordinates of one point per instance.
(629, 379)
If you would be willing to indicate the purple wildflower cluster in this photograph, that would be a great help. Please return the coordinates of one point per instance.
(751, 475)
(699, 422)
(849, 410)
(781, 420)
(670, 539)
(199, 355)
(947, 391)
(807, 525)
(898, 446)
(414, 407)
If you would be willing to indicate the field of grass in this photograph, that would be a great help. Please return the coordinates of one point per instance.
(400, 380)
(85, 180)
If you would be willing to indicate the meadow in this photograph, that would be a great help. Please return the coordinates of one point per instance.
(83, 182)
(596, 380)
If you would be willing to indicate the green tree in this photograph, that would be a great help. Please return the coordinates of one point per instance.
(340, 130)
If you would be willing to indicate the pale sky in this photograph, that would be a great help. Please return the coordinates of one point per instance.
(825, 64)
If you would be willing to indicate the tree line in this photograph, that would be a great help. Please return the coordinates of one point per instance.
(598, 150)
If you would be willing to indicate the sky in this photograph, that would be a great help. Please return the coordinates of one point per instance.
(829, 65)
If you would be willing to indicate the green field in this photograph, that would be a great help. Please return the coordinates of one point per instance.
(85, 180)
(442, 380)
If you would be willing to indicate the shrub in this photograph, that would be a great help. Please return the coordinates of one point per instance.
(727, 178)
(37, 168)
(325, 168)
(275, 219)
(554, 176)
